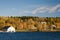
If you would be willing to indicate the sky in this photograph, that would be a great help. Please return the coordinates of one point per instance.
(42, 8)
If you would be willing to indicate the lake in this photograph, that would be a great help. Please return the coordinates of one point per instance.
(30, 36)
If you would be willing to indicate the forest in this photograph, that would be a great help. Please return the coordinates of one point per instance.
(31, 23)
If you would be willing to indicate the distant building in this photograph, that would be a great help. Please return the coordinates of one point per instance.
(8, 29)
(53, 26)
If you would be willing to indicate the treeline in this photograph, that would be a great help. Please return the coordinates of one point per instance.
(29, 23)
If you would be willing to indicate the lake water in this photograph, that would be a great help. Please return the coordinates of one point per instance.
(30, 36)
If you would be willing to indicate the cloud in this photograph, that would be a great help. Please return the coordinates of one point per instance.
(40, 10)
(37, 10)
(45, 9)
(54, 9)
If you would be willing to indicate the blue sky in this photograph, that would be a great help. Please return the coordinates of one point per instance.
(42, 8)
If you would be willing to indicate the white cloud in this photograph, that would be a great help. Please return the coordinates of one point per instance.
(45, 9)
(54, 9)
(40, 10)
